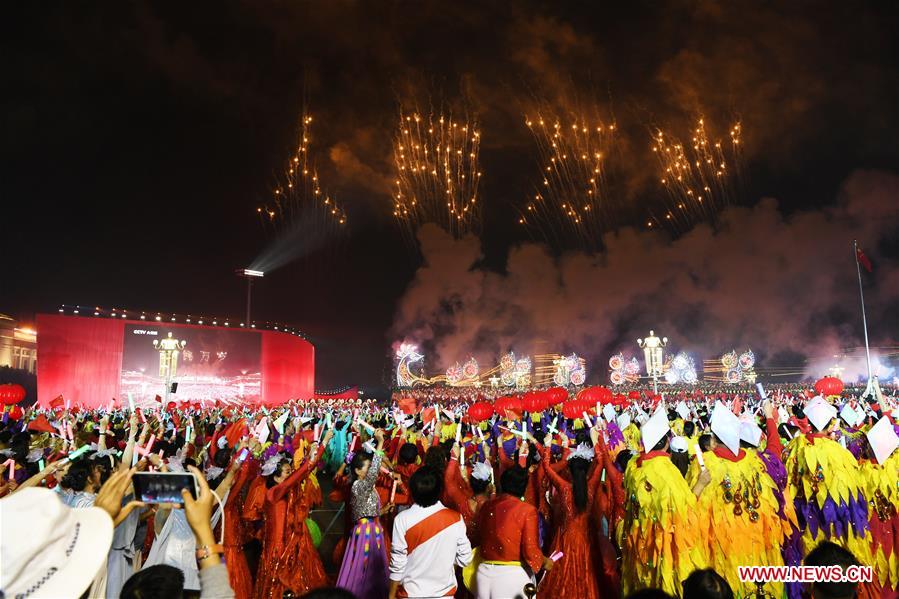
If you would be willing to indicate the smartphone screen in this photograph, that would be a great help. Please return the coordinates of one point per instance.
(163, 487)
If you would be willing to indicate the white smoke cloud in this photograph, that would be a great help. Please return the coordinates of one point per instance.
(785, 286)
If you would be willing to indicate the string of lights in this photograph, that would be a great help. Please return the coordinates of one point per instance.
(191, 319)
(337, 391)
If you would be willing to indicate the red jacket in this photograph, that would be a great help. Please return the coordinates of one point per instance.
(508, 530)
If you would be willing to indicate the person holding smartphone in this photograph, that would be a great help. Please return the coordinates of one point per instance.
(212, 573)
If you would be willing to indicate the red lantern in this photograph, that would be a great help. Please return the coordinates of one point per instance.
(594, 395)
(15, 413)
(556, 395)
(534, 401)
(829, 386)
(508, 407)
(480, 411)
(573, 408)
(11, 394)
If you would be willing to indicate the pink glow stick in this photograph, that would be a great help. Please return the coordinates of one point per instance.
(393, 491)
(556, 556)
(145, 450)
(11, 465)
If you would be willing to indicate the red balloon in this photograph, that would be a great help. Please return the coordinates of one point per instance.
(480, 411)
(11, 394)
(15, 413)
(829, 385)
(556, 395)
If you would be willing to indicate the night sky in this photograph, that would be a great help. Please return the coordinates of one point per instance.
(138, 139)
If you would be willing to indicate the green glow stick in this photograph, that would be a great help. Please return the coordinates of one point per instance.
(77, 453)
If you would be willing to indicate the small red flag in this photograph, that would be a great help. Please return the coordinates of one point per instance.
(862, 259)
(41, 425)
(57, 402)
(158, 399)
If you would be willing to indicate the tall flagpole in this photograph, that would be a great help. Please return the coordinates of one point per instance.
(861, 295)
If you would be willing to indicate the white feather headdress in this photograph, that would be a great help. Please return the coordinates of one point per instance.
(582, 451)
(481, 471)
(270, 464)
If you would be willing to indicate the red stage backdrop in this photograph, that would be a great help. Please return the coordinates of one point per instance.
(92, 360)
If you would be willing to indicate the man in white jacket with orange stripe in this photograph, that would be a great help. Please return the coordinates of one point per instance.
(428, 541)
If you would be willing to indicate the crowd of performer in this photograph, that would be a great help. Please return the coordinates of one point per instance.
(555, 493)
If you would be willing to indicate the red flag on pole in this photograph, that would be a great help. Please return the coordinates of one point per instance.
(863, 259)
(158, 399)
(57, 402)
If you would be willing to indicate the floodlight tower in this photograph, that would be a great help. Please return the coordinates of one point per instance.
(249, 274)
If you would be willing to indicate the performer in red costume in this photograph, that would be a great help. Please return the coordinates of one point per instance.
(580, 569)
(235, 535)
(467, 493)
(274, 574)
(509, 545)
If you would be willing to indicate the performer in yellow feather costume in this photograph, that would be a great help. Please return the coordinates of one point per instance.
(741, 510)
(661, 537)
(880, 483)
(825, 481)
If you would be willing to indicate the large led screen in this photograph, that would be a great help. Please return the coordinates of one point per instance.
(93, 360)
(208, 364)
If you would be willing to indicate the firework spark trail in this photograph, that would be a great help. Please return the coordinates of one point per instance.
(698, 176)
(298, 196)
(572, 203)
(437, 174)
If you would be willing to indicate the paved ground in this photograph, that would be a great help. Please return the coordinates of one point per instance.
(329, 514)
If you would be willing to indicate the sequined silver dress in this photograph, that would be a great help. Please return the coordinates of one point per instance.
(364, 500)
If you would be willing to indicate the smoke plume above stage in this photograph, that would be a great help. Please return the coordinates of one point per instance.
(783, 284)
